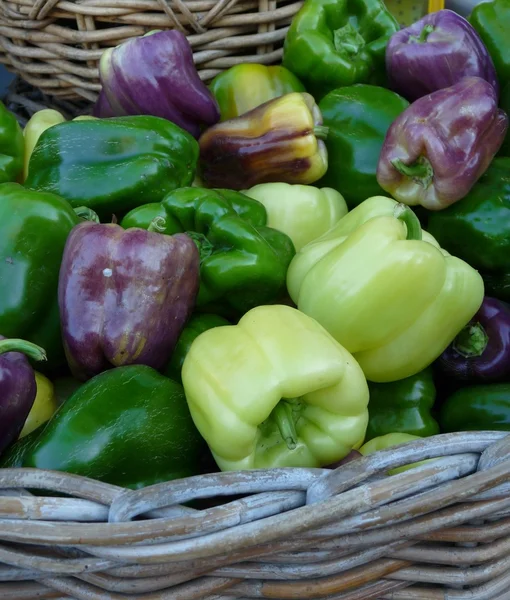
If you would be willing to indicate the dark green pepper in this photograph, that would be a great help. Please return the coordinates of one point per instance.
(477, 228)
(243, 262)
(113, 165)
(358, 118)
(334, 43)
(477, 408)
(403, 406)
(12, 146)
(128, 426)
(194, 327)
(504, 103)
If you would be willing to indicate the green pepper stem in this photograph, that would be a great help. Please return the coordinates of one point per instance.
(282, 414)
(158, 225)
(422, 38)
(403, 213)
(471, 341)
(27, 348)
(421, 171)
(348, 41)
(321, 131)
(205, 248)
(87, 214)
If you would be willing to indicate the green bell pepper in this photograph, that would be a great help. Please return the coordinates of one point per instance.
(477, 408)
(492, 22)
(403, 406)
(194, 327)
(334, 43)
(358, 118)
(113, 165)
(12, 146)
(128, 426)
(33, 231)
(243, 262)
(504, 103)
(477, 228)
(244, 87)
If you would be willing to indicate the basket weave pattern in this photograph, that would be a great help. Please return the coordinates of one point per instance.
(440, 530)
(56, 44)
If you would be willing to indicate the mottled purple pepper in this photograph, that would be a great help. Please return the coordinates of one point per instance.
(437, 52)
(124, 296)
(481, 351)
(18, 387)
(438, 148)
(155, 75)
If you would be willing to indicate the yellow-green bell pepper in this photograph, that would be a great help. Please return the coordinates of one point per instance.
(384, 289)
(388, 441)
(303, 212)
(45, 404)
(275, 390)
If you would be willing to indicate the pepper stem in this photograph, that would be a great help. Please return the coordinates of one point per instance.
(425, 32)
(471, 341)
(421, 171)
(403, 213)
(158, 225)
(87, 214)
(282, 414)
(27, 348)
(348, 40)
(321, 131)
(205, 248)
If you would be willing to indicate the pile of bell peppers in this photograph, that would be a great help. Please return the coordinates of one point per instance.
(278, 268)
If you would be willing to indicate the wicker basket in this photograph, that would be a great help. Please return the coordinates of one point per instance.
(56, 44)
(438, 531)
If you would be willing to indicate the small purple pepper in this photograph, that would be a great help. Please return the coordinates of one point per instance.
(437, 52)
(155, 75)
(18, 387)
(481, 351)
(124, 296)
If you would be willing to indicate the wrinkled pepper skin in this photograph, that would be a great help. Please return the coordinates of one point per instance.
(438, 148)
(243, 262)
(45, 404)
(154, 74)
(492, 22)
(477, 229)
(335, 43)
(280, 140)
(435, 53)
(403, 406)
(358, 118)
(385, 290)
(129, 426)
(477, 408)
(34, 227)
(113, 165)
(17, 386)
(244, 87)
(124, 296)
(194, 327)
(11, 146)
(275, 390)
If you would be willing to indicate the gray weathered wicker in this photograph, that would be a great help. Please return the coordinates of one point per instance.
(438, 531)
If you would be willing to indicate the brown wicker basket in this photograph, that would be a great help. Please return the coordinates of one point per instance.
(56, 44)
(440, 531)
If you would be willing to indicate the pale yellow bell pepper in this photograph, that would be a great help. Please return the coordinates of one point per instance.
(388, 441)
(394, 303)
(303, 212)
(275, 390)
(45, 404)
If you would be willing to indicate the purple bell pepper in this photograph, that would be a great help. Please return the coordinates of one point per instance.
(124, 296)
(437, 52)
(155, 75)
(18, 387)
(437, 149)
(481, 351)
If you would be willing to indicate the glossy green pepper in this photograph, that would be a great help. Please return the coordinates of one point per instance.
(246, 86)
(243, 262)
(358, 118)
(403, 406)
(334, 43)
(12, 146)
(477, 228)
(128, 426)
(477, 408)
(194, 327)
(113, 165)
(33, 231)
